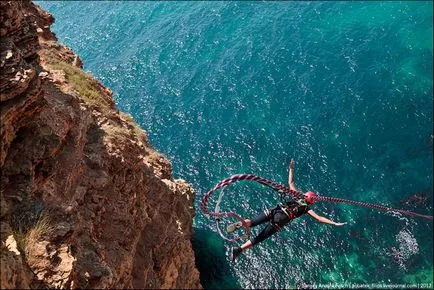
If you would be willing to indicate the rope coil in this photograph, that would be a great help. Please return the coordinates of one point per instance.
(282, 189)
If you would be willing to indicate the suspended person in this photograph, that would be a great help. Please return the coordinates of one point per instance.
(279, 216)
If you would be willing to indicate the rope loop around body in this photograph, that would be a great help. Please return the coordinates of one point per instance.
(282, 190)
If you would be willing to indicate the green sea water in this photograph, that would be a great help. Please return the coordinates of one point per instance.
(344, 88)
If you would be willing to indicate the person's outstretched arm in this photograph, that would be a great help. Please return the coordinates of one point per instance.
(291, 176)
(324, 220)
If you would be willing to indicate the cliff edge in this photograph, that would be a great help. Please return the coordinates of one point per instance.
(85, 200)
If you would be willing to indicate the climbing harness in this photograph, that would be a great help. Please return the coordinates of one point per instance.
(283, 191)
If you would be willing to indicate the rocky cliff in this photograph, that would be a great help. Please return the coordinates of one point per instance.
(85, 200)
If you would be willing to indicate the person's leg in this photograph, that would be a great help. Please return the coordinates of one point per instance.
(232, 227)
(259, 219)
(268, 231)
(279, 219)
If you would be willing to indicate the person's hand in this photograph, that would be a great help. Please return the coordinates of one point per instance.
(291, 164)
(340, 224)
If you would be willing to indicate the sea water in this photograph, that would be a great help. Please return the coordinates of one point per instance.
(343, 88)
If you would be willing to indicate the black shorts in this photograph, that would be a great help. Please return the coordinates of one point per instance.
(277, 219)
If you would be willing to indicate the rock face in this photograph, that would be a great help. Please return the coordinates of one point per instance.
(85, 201)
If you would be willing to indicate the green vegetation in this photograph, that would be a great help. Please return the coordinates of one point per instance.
(26, 239)
(86, 86)
(20, 238)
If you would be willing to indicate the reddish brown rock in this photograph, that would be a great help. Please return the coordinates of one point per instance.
(85, 200)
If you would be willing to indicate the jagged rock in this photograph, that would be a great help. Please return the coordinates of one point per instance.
(101, 207)
(20, 91)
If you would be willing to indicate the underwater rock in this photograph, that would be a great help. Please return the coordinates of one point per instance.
(416, 199)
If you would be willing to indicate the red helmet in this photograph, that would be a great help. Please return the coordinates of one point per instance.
(310, 197)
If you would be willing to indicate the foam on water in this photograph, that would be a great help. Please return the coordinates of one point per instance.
(407, 247)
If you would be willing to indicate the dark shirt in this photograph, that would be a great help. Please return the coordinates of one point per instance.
(297, 209)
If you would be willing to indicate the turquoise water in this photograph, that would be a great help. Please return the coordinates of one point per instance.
(344, 88)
